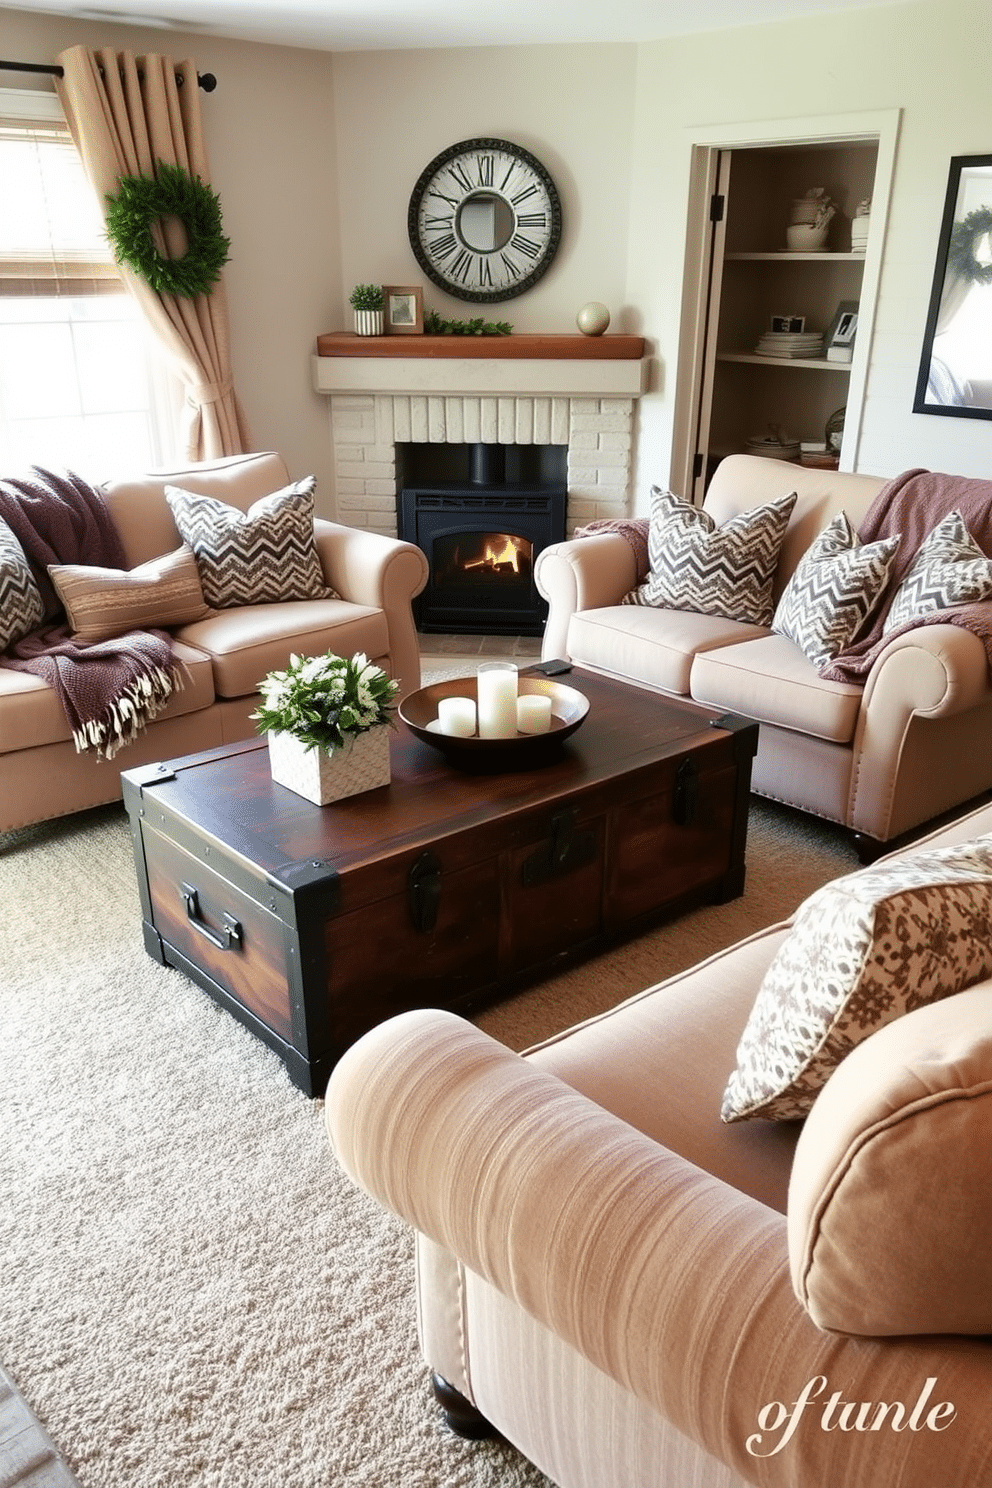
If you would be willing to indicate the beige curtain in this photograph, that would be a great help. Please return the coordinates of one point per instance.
(126, 113)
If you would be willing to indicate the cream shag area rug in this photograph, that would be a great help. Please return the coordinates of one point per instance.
(193, 1294)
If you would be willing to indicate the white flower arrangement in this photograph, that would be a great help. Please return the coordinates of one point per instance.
(325, 700)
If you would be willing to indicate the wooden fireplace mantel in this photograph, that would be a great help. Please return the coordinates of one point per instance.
(504, 348)
(470, 366)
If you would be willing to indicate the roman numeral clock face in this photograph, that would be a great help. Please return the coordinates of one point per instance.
(484, 220)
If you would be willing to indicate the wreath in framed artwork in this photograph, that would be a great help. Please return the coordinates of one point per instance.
(172, 192)
(965, 239)
(953, 378)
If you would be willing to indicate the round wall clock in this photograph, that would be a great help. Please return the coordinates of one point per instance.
(484, 220)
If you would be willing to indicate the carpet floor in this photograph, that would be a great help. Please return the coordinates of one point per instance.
(193, 1294)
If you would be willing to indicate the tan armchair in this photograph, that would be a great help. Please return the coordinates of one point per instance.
(614, 1279)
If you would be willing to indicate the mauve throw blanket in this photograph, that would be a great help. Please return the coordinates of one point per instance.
(108, 689)
(912, 504)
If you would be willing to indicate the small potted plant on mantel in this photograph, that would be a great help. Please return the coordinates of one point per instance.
(367, 301)
(327, 720)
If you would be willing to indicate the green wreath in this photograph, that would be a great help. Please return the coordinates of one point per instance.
(172, 193)
(965, 238)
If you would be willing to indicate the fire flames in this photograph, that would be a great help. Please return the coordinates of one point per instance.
(498, 559)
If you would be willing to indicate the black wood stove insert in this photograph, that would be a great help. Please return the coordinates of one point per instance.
(481, 537)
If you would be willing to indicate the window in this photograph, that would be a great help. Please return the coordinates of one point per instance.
(79, 382)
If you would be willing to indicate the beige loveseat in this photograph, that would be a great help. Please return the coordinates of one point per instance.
(625, 1285)
(224, 654)
(913, 740)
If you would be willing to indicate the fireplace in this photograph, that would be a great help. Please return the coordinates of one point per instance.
(482, 531)
(576, 393)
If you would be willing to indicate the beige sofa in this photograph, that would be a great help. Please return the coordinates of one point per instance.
(618, 1281)
(225, 655)
(913, 741)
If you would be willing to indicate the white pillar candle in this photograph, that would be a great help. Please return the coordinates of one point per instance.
(534, 713)
(497, 689)
(456, 715)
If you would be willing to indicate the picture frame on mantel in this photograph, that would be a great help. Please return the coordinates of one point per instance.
(404, 310)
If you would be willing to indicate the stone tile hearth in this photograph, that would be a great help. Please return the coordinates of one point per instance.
(521, 649)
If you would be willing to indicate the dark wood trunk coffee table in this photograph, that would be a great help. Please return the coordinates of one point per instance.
(446, 889)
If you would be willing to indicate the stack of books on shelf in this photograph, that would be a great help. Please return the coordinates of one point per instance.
(773, 446)
(795, 344)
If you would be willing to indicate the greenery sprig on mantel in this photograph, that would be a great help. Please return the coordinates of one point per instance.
(436, 325)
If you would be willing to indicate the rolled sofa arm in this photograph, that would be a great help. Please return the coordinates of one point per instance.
(933, 669)
(586, 573)
(930, 672)
(673, 1283)
(384, 573)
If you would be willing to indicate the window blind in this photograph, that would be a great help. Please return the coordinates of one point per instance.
(52, 236)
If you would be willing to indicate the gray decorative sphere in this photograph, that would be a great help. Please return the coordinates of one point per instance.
(593, 319)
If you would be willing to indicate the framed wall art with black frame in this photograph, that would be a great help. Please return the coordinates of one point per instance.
(955, 376)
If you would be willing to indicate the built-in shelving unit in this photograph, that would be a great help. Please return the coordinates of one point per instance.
(754, 277)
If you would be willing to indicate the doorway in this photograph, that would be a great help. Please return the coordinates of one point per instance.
(757, 312)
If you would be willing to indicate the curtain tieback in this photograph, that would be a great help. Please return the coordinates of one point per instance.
(202, 393)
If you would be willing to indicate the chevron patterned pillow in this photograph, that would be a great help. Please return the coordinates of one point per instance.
(833, 591)
(265, 555)
(21, 607)
(949, 569)
(696, 565)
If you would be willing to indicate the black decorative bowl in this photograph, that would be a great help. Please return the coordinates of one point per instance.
(524, 752)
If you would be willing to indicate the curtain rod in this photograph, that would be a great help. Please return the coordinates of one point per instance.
(206, 80)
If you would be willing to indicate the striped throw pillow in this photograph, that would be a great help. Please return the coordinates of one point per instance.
(103, 602)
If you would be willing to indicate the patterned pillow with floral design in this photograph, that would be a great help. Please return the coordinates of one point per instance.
(863, 950)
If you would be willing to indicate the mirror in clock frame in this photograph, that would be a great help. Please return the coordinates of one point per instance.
(484, 220)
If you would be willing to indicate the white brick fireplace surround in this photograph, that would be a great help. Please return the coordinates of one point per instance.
(564, 390)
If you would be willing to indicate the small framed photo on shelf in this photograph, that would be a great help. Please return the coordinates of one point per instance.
(840, 337)
(789, 325)
(404, 310)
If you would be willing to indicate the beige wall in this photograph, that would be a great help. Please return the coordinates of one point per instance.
(571, 106)
(315, 156)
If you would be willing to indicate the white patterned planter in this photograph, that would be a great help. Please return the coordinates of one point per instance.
(322, 776)
(368, 322)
